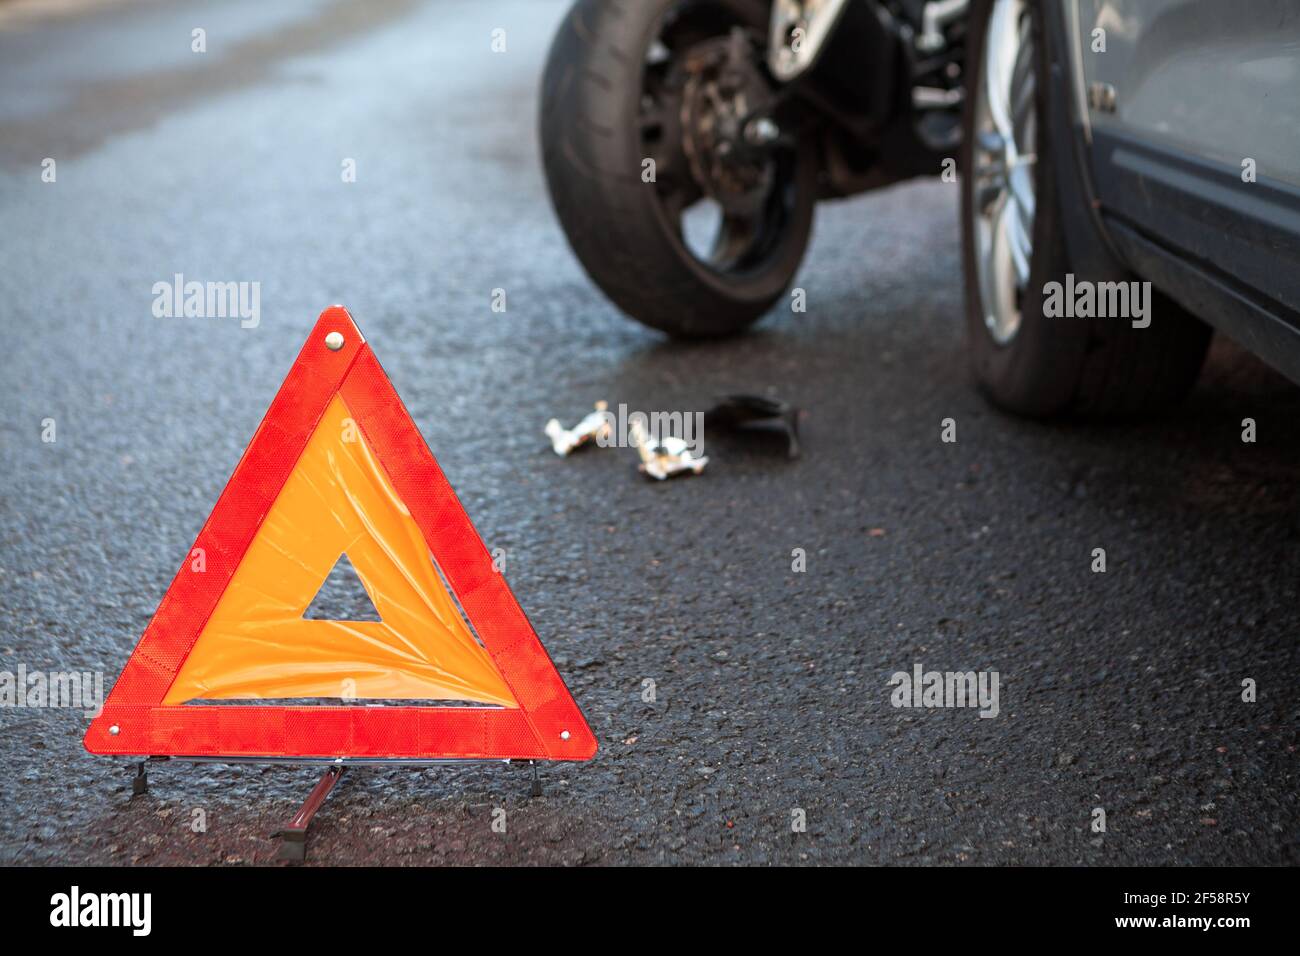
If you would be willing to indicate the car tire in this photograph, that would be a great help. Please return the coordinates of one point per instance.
(1049, 366)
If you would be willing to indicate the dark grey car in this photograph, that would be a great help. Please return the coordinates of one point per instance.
(1132, 180)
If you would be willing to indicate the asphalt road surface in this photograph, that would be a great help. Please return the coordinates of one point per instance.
(1119, 690)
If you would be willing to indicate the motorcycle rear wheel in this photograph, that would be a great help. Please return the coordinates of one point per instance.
(671, 81)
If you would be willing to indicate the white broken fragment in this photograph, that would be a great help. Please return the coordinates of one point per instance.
(668, 457)
(565, 440)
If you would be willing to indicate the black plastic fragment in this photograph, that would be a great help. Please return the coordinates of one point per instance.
(737, 412)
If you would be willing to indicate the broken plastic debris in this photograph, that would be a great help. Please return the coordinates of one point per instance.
(565, 440)
(736, 412)
(668, 457)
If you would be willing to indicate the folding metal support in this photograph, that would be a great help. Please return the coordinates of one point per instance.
(140, 782)
(293, 838)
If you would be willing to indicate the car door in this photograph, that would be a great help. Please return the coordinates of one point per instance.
(1193, 112)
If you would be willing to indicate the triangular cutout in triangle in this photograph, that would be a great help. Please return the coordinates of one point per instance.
(338, 467)
(257, 643)
(342, 597)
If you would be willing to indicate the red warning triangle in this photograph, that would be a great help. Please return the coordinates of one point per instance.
(337, 468)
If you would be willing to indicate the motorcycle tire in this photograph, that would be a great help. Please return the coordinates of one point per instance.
(620, 227)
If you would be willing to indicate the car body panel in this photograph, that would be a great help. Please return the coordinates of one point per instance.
(1207, 78)
(1183, 94)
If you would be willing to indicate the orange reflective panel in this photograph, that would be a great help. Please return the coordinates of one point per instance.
(257, 645)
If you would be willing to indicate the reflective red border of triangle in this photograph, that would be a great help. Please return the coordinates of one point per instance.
(546, 726)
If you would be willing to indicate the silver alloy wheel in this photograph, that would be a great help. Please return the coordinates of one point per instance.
(1006, 131)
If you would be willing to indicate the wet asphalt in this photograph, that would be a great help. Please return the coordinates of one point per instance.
(1119, 690)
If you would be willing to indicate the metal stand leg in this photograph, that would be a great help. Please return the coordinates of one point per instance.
(140, 782)
(536, 790)
(293, 838)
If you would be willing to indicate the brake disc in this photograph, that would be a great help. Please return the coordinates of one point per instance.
(723, 90)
